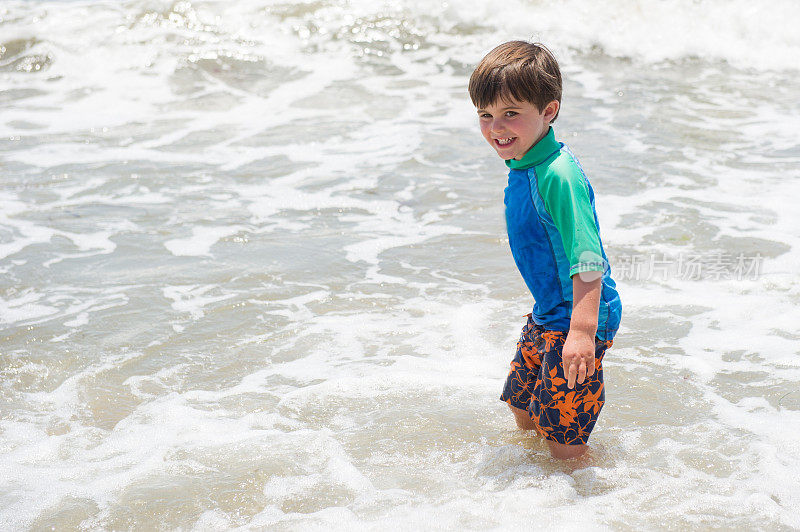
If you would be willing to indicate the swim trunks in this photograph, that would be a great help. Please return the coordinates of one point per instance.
(536, 383)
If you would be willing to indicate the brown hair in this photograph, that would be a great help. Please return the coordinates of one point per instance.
(524, 71)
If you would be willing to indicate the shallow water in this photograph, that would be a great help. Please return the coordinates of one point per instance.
(254, 269)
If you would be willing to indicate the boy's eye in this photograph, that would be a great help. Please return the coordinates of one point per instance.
(485, 115)
(511, 113)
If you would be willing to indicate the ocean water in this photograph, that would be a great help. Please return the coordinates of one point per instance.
(254, 273)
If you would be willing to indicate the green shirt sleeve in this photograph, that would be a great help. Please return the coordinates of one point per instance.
(566, 198)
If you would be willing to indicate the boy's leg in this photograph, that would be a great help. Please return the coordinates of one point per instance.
(557, 450)
(565, 452)
(523, 418)
(520, 382)
(537, 394)
(564, 416)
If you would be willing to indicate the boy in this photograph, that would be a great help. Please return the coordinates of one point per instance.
(555, 386)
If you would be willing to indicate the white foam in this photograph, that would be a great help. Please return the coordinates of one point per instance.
(296, 394)
(747, 34)
(23, 307)
(201, 241)
(25, 233)
(80, 319)
(193, 298)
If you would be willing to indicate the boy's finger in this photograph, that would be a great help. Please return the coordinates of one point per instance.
(573, 370)
(590, 368)
(581, 372)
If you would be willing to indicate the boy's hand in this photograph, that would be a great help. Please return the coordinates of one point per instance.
(577, 357)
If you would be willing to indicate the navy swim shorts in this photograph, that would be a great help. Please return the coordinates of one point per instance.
(536, 383)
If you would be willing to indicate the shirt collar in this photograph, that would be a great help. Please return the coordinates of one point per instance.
(538, 153)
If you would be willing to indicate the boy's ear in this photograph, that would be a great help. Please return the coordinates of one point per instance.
(551, 110)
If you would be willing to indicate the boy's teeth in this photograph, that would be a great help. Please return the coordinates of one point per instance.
(505, 141)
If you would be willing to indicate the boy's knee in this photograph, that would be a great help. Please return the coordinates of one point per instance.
(522, 417)
(565, 452)
(558, 451)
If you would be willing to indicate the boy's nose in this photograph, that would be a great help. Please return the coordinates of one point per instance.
(497, 126)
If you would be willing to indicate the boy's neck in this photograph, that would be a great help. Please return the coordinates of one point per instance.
(538, 153)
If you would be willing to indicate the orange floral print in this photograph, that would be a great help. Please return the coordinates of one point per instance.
(536, 383)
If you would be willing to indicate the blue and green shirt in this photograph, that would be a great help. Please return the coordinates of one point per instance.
(554, 233)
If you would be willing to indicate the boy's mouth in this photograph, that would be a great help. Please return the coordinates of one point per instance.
(505, 142)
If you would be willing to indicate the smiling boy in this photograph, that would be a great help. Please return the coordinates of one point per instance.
(555, 385)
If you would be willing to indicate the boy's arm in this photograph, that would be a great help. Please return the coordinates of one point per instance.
(577, 356)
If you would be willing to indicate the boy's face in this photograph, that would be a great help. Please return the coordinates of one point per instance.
(513, 127)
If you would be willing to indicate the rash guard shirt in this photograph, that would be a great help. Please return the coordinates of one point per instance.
(554, 233)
